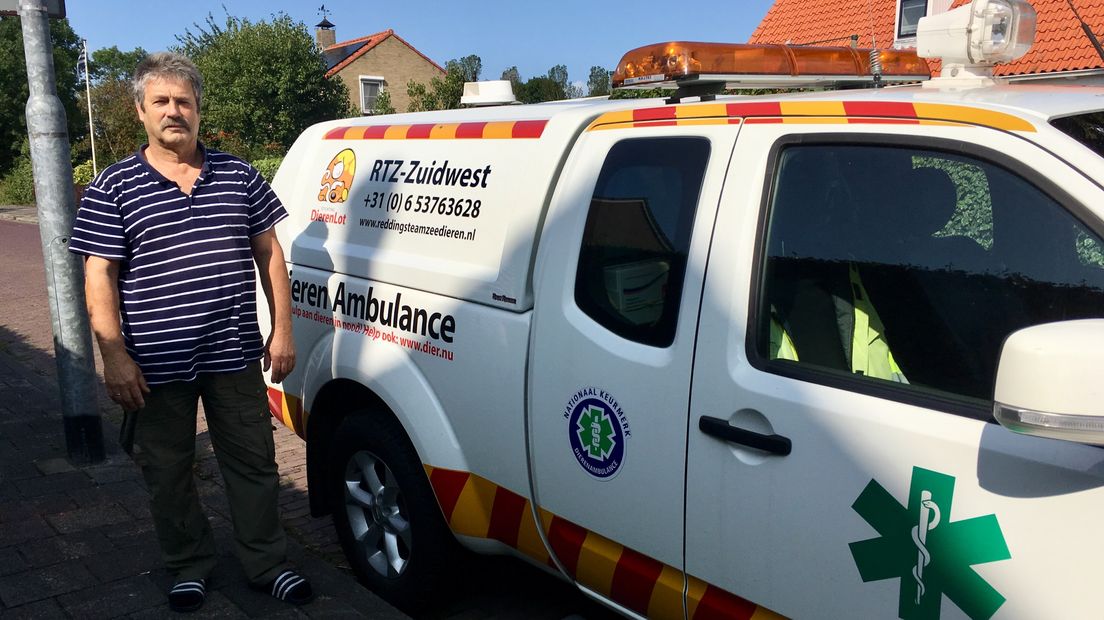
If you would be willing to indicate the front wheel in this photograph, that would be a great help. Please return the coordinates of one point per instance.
(386, 515)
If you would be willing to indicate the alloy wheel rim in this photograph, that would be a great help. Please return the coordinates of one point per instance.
(377, 515)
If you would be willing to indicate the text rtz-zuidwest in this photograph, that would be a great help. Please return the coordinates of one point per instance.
(416, 172)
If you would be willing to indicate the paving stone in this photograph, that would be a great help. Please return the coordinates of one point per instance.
(55, 465)
(130, 533)
(8, 492)
(331, 583)
(26, 508)
(54, 483)
(121, 563)
(47, 609)
(17, 431)
(256, 604)
(31, 528)
(112, 492)
(18, 467)
(43, 583)
(11, 562)
(89, 517)
(217, 606)
(137, 505)
(294, 513)
(329, 607)
(112, 600)
(114, 469)
(41, 553)
(41, 447)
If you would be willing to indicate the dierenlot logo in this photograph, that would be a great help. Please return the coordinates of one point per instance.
(338, 178)
(928, 552)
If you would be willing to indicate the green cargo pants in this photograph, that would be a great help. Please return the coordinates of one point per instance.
(241, 433)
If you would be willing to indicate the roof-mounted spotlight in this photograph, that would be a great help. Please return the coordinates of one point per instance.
(973, 38)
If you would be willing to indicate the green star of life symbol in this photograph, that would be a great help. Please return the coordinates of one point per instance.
(928, 552)
(596, 434)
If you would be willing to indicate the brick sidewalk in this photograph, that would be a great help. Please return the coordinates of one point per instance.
(78, 542)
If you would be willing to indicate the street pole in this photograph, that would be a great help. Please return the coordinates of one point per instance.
(53, 183)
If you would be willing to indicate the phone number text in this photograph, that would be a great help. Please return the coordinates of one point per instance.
(441, 205)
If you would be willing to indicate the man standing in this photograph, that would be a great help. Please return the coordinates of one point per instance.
(171, 235)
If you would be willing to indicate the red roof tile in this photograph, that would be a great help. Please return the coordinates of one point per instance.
(366, 43)
(827, 22)
(1060, 44)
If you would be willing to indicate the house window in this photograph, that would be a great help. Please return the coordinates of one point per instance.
(909, 16)
(370, 87)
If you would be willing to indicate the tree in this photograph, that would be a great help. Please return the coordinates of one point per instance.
(552, 87)
(421, 98)
(444, 94)
(111, 63)
(383, 104)
(470, 67)
(599, 82)
(264, 83)
(539, 89)
(558, 74)
(514, 78)
(13, 77)
(118, 130)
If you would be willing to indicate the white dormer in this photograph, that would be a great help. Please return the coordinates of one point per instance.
(908, 16)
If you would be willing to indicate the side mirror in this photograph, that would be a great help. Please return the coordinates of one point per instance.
(1050, 381)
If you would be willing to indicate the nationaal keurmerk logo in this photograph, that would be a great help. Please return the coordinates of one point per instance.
(931, 554)
(597, 431)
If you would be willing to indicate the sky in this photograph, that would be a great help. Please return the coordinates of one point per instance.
(533, 36)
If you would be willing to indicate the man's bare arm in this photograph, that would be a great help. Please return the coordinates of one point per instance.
(280, 348)
(125, 383)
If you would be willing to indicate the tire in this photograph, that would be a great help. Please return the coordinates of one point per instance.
(386, 514)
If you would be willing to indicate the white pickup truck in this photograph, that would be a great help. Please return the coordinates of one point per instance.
(825, 354)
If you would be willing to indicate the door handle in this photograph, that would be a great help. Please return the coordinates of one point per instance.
(716, 427)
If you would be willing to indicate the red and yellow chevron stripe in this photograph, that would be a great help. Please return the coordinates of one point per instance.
(811, 112)
(288, 409)
(494, 130)
(474, 506)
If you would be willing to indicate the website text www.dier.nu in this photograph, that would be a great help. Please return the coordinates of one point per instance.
(365, 310)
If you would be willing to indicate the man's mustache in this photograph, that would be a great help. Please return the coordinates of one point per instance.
(168, 123)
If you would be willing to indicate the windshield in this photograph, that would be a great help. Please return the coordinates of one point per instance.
(1088, 129)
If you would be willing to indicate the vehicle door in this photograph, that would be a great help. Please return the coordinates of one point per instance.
(617, 288)
(842, 458)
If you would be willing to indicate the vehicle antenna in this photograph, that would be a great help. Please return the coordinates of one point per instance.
(1088, 31)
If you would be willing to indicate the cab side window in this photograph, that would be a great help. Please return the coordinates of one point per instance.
(912, 266)
(633, 256)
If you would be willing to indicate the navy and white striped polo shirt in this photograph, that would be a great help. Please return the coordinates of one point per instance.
(187, 292)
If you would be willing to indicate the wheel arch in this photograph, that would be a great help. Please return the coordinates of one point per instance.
(390, 385)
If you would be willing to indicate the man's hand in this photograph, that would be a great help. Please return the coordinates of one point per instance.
(125, 383)
(124, 380)
(279, 355)
(279, 351)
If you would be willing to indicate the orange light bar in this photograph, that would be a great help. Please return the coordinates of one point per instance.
(681, 61)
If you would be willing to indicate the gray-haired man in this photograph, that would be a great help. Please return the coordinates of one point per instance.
(171, 235)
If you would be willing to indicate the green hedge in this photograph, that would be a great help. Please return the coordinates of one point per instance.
(268, 167)
(82, 173)
(17, 187)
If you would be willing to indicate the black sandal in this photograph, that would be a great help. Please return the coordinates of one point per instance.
(187, 596)
(291, 587)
